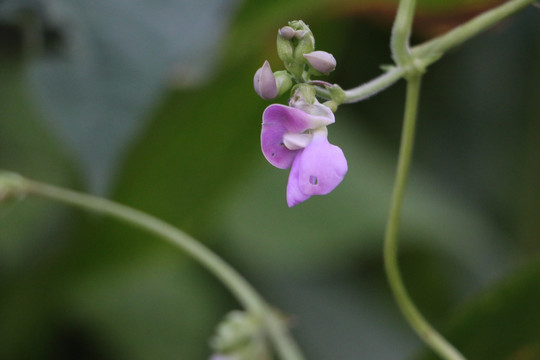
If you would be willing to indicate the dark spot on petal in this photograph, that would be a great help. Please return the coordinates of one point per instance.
(273, 154)
(313, 180)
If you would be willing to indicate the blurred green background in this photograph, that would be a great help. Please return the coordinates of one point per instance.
(151, 103)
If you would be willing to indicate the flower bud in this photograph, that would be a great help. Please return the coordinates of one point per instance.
(283, 81)
(264, 82)
(287, 32)
(241, 336)
(321, 61)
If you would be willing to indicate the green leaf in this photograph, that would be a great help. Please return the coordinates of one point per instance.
(116, 57)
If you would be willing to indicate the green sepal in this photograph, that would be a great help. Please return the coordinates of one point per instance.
(331, 104)
(337, 94)
(283, 81)
(284, 49)
(303, 91)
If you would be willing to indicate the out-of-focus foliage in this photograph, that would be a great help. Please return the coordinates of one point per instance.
(110, 64)
(152, 101)
(504, 322)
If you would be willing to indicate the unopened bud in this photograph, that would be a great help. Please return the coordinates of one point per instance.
(321, 61)
(287, 32)
(264, 82)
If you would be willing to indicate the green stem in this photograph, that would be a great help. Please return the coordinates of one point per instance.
(428, 52)
(13, 185)
(468, 30)
(242, 290)
(407, 307)
(374, 86)
(401, 32)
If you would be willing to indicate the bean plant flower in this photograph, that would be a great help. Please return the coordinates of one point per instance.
(296, 138)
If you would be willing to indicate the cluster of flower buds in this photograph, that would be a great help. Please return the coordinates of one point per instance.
(296, 48)
(295, 136)
(240, 337)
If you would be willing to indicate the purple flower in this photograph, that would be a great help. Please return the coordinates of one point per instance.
(297, 138)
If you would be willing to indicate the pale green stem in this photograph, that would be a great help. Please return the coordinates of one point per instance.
(375, 86)
(430, 51)
(401, 32)
(12, 185)
(407, 307)
(468, 30)
(242, 290)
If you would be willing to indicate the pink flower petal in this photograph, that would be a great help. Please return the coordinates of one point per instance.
(294, 120)
(316, 170)
(294, 195)
(273, 148)
(322, 167)
(278, 120)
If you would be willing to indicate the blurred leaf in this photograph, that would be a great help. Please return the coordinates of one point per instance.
(151, 306)
(479, 137)
(114, 62)
(148, 308)
(503, 322)
(197, 147)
